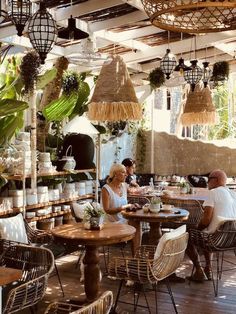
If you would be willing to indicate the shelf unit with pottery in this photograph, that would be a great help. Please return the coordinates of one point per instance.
(33, 207)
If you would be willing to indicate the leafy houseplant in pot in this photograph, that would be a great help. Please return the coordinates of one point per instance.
(93, 216)
(155, 204)
(184, 187)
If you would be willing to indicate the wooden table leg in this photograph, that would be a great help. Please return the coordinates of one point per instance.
(136, 241)
(91, 272)
(155, 233)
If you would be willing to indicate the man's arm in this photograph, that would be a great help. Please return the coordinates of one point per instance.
(206, 218)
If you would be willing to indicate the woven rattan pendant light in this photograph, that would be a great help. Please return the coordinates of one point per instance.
(199, 108)
(114, 98)
(192, 16)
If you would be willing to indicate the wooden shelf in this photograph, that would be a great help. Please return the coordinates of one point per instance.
(51, 215)
(11, 211)
(51, 174)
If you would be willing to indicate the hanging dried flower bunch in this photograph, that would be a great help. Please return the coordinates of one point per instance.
(29, 70)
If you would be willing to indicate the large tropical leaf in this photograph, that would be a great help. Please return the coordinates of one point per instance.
(47, 77)
(10, 106)
(81, 104)
(9, 125)
(9, 90)
(60, 108)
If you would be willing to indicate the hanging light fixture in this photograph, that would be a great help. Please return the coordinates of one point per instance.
(181, 67)
(168, 63)
(192, 16)
(114, 97)
(199, 108)
(206, 73)
(193, 75)
(19, 12)
(71, 32)
(42, 31)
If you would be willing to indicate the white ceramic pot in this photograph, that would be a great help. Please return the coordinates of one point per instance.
(155, 208)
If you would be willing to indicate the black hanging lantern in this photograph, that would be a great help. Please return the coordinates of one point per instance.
(181, 67)
(206, 73)
(19, 12)
(194, 75)
(42, 31)
(168, 63)
(71, 32)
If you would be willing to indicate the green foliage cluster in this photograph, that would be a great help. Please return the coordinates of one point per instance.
(222, 129)
(73, 100)
(156, 78)
(220, 71)
(93, 211)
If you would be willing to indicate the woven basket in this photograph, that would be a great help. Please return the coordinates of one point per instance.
(199, 108)
(114, 97)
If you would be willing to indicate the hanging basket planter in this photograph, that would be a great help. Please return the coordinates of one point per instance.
(156, 78)
(220, 71)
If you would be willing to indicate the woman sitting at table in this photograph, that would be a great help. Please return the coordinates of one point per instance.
(114, 194)
(130, 168)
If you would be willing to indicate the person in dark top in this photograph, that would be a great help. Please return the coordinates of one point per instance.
(130, 168)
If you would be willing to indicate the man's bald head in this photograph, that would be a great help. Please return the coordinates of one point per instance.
(217, 178)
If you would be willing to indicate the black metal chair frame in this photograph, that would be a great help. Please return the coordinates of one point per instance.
(222, 240)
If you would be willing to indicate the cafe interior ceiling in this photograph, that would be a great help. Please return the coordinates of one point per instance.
(122, 27)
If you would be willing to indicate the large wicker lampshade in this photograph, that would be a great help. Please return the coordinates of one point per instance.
(114, 97)
(199, 108)
(192, 16)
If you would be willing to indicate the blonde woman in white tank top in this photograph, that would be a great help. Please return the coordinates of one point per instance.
(114, 194)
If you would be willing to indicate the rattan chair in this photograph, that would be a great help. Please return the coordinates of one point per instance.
(37, 238)
(36, 264)
(194, 208)
(222, 240)
(145, 269)
(101, 306)
(141, 200)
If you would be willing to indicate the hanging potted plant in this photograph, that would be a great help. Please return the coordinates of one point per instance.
(220, 71)
(156, 78)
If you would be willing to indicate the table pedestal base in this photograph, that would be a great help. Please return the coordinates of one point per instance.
(91, 272)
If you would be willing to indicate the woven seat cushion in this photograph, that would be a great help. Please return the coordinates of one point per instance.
(13, 229)
(168, 236)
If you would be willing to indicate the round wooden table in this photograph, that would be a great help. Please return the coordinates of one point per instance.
(155, 220)
(8, 275)
(92, 239)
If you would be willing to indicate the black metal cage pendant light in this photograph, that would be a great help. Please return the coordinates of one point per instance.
(42, 31)
(71, 32)
(19, 11)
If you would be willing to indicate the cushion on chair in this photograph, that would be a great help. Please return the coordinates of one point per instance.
(79, 208)
(168, 236)
(13, 229)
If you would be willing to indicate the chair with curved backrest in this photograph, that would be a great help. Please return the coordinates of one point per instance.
(150, 265)
(32, 237)
(141, 200)
(100, 306)
(194, 208)
(36, 264)
(222, 240)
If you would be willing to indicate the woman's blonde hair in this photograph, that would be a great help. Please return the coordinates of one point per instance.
(114, 169)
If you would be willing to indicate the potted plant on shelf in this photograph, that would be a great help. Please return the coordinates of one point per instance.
(93, 216)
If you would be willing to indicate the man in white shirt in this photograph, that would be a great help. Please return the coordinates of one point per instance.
(221, 203)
